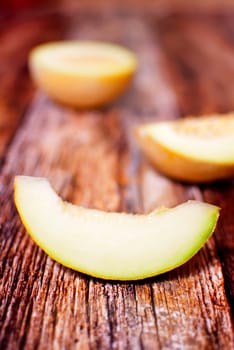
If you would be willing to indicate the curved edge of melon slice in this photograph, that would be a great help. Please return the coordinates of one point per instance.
(116, 246)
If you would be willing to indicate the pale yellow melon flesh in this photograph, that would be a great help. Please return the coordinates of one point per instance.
(192, 149)
(82, 74)
(114, 246)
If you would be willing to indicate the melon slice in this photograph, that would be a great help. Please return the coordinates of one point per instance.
(82, 74)
(191, 149)
(115, 246)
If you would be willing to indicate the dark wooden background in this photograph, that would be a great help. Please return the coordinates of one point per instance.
(186, 53)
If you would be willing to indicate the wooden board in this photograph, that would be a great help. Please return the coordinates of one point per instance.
(186, 67)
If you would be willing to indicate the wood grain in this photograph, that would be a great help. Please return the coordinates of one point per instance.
(91, 159)
(150, 7)
(17, 37)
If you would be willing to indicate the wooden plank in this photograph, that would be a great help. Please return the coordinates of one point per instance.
(149, 7)
(44, 305)
(17, 37)
(193, 44)
(223, 195)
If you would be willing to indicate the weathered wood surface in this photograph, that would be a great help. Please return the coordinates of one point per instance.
(150, 7)
(186, 66)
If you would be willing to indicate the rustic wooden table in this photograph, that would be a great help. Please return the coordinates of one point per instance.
(186, 67)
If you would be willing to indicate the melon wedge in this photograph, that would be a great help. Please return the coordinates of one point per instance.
(191, 149)
(115, 246)
(82, 74)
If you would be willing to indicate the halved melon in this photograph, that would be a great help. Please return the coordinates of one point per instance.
(192, 149)
(114, 246)
(82, 73)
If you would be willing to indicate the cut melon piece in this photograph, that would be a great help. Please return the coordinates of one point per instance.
(192, 149)
(82, 74)
(115, 246)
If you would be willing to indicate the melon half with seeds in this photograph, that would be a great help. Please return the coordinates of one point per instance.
(114, 246)
(192, 149)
